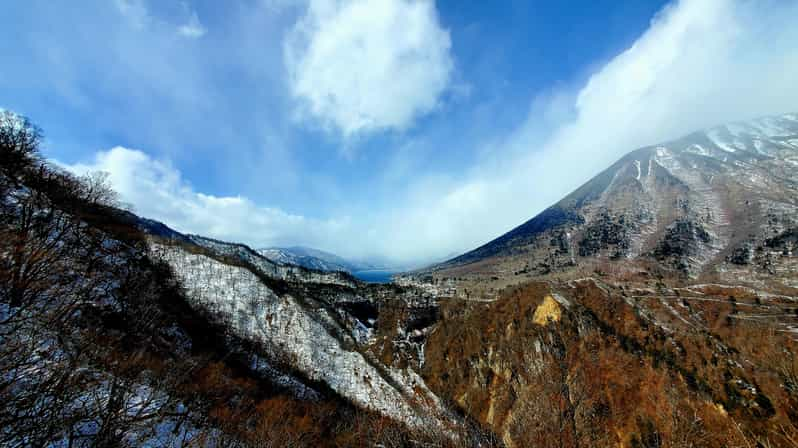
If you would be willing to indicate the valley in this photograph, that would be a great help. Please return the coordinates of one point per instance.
(647, 308)
(399, 224)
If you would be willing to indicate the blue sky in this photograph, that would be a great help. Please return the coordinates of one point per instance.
(409, 130)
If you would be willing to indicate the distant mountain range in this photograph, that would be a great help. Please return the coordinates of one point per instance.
(315, 259)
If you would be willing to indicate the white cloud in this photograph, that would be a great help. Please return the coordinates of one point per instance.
(157, 190)
(137, 14)
(365, 65)
(193, 28)
(135, 11)
(700, 63)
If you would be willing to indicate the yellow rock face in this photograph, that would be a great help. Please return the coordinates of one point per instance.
(547, 311)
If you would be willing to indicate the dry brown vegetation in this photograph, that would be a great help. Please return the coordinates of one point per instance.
(608, 373)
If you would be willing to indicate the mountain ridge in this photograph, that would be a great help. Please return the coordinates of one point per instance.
(315, 259)
(687, 186)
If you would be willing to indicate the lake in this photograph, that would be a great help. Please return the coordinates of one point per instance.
(375, 275)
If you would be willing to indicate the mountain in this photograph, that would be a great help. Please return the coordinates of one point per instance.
(652, 307)
(309, 322)
(719, 204)
(314, 259)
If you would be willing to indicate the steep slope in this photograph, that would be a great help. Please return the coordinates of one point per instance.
(721, 202)
(99, 345)
(316, 344)
(310, 327)
(313, 259)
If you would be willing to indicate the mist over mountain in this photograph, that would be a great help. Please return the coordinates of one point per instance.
(712, 204)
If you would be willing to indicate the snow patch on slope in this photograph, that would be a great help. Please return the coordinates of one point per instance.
(253, 311)
(716, 137)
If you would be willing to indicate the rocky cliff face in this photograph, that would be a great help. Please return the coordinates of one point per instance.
(710, 203)
(316, 331)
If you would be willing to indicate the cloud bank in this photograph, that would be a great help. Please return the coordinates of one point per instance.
(155, 189)
(367, 65)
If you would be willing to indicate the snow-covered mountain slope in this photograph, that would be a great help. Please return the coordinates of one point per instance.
(310, 339)
(313, 259)
(311, 326)
(710, 203)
